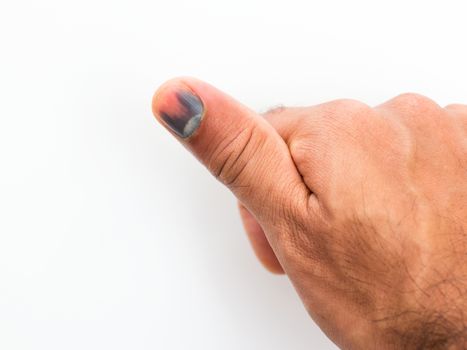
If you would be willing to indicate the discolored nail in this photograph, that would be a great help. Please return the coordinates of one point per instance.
(182, 112)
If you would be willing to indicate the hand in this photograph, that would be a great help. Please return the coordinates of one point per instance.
(365, 209)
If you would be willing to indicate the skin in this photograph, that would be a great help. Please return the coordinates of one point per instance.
(364, 208)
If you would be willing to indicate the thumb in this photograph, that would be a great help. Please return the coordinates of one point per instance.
(238, 146)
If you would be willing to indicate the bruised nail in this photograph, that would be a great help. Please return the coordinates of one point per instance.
(182, 111)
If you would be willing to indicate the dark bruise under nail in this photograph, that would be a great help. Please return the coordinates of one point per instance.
(185, 117)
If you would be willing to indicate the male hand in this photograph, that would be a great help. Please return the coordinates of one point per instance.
(365, 209)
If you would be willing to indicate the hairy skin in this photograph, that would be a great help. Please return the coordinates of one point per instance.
(365, 209)
(386, 238)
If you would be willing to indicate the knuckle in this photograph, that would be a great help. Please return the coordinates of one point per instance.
(410, 100)
(230, 159)
(336, 123)
(347, 115)
(349, 107)
(414, 110)
(457, 107)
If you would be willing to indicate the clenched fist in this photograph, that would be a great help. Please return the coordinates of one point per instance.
(364, 209)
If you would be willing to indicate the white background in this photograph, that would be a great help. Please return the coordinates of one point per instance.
(111, 235)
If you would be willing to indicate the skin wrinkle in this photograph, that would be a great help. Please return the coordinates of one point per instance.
(240, 156)
(228, 144)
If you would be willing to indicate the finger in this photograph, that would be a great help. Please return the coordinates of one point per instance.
(458, 109)
(459, 112)
(237, 145)
(259, 242)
